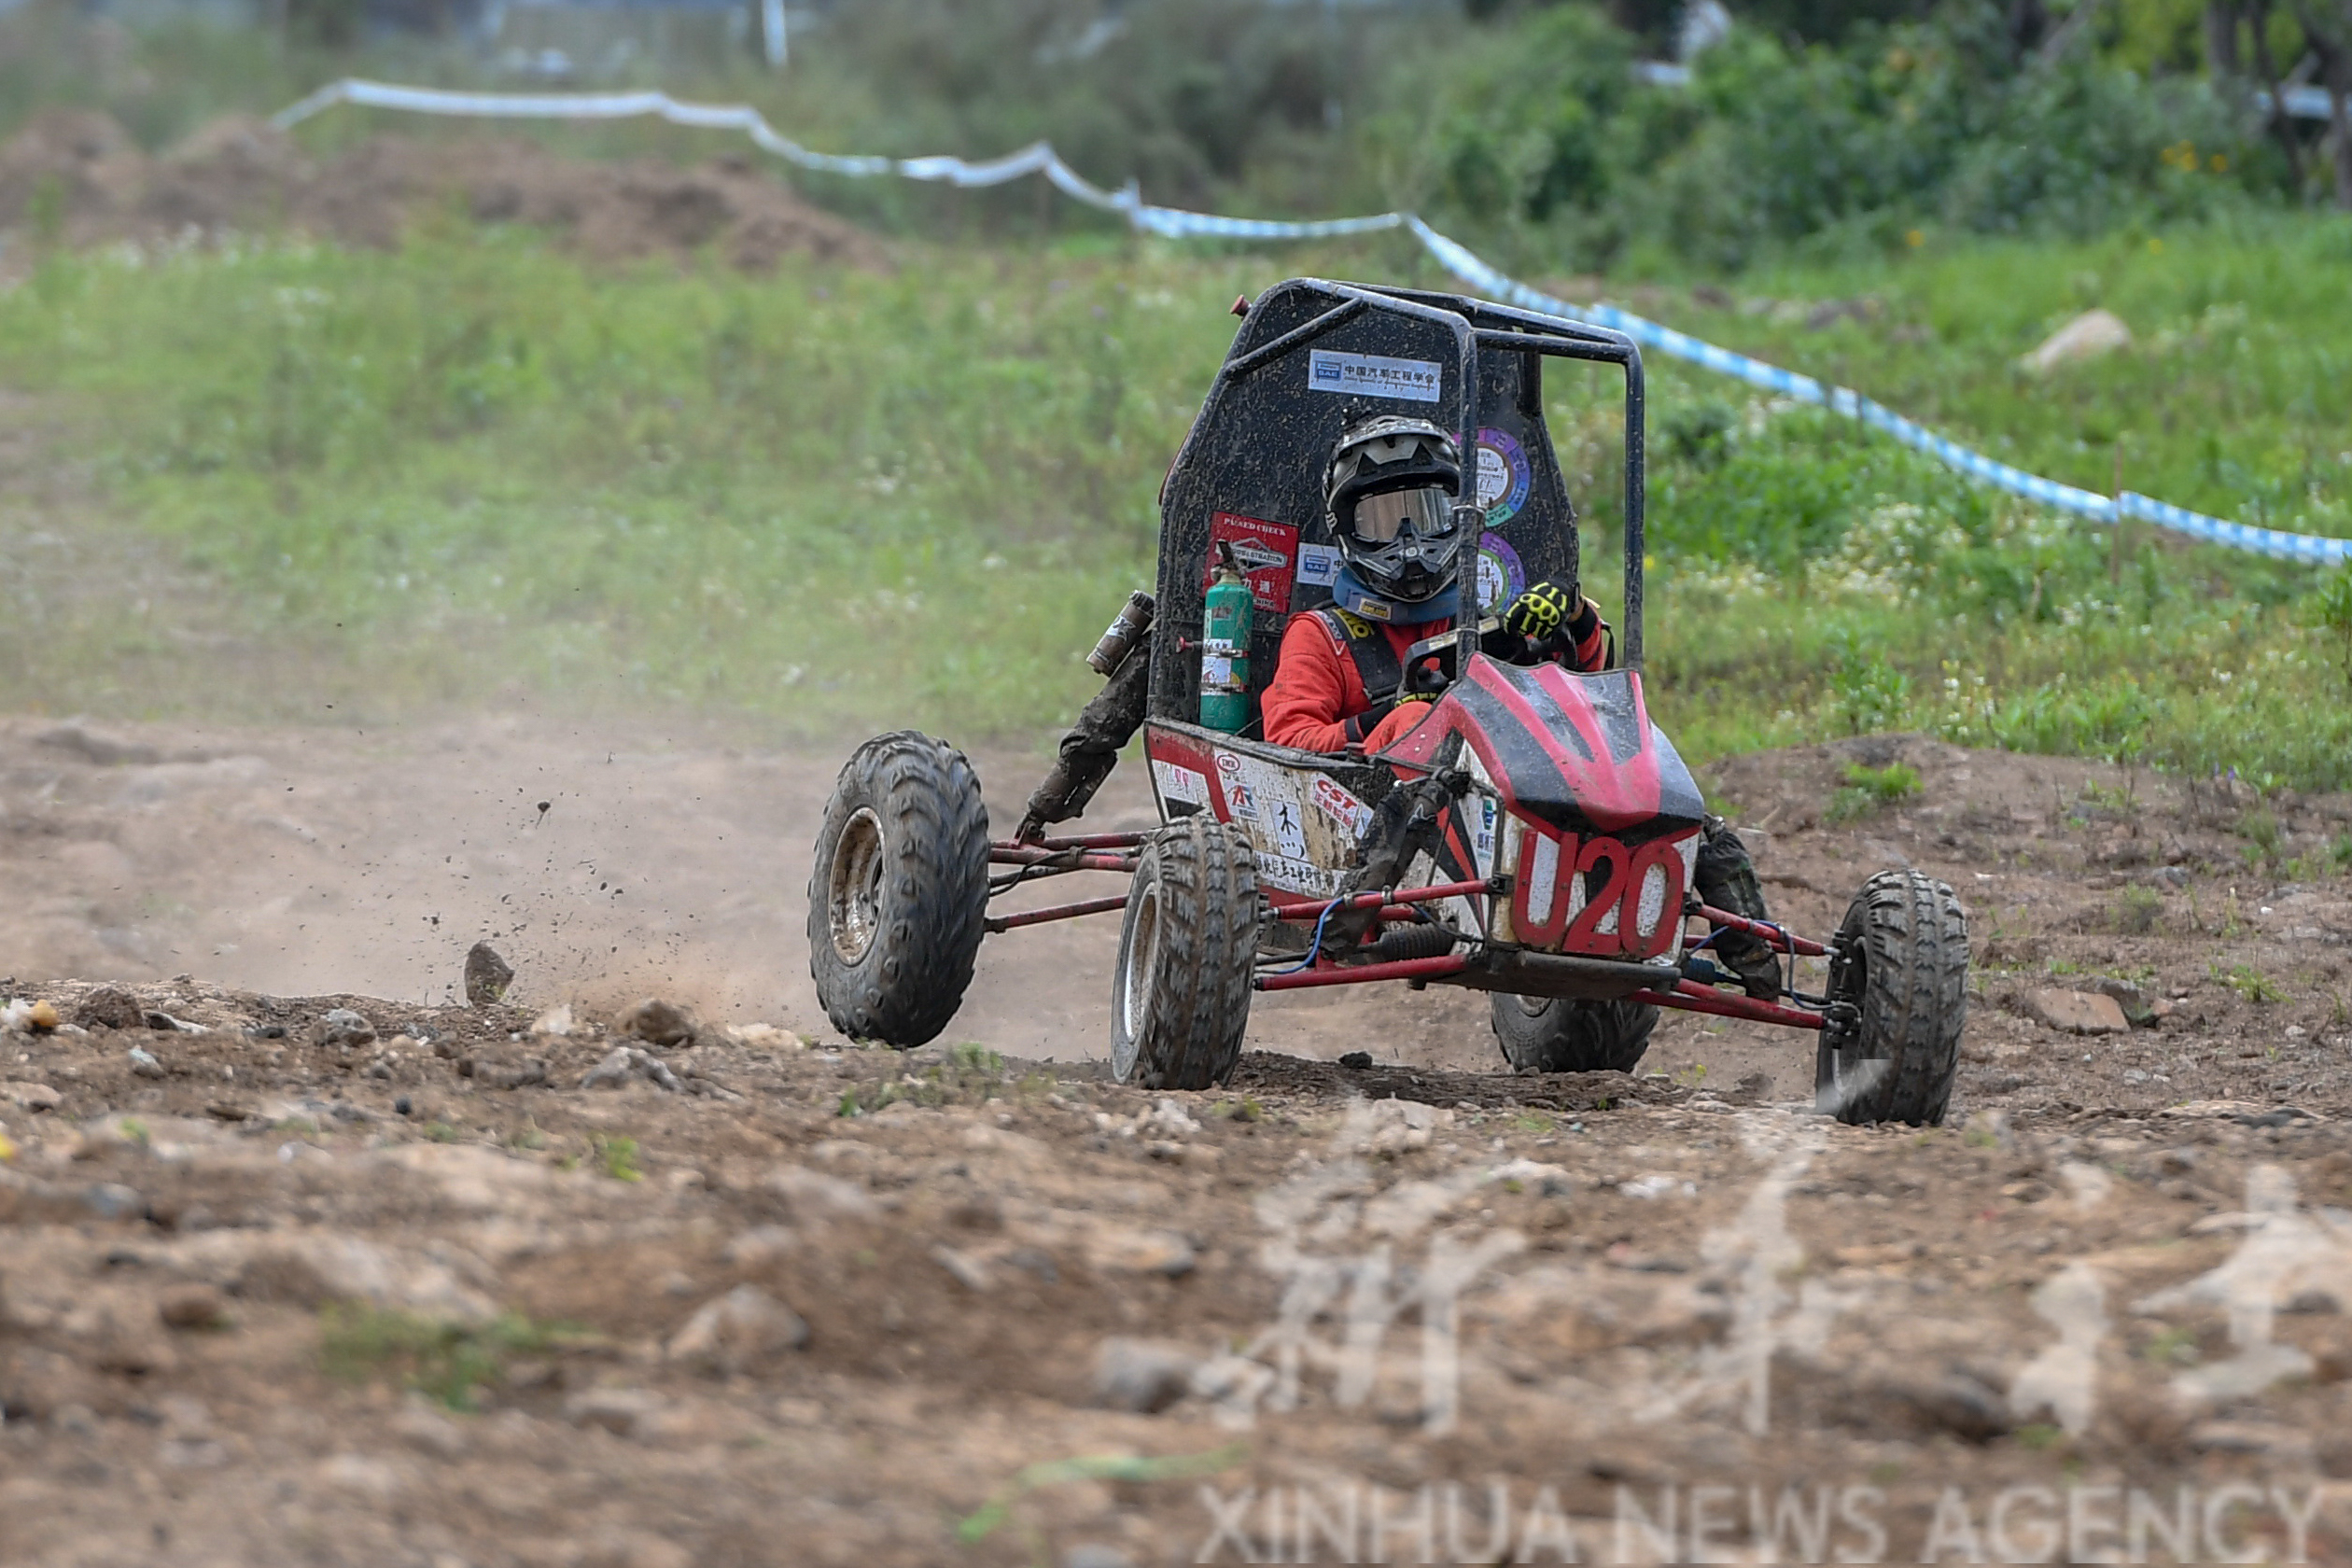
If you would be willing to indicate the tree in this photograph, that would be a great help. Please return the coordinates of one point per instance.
(2326, 24)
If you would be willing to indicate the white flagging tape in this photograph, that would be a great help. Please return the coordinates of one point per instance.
(1039, 158)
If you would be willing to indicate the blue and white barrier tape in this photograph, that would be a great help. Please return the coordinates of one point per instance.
(1039, 158)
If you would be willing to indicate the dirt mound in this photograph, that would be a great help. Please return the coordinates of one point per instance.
(65, 164)
(79, 171)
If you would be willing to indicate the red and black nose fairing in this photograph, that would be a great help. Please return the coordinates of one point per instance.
(1576, 751)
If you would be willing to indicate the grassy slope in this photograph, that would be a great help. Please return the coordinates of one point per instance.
(836, 500)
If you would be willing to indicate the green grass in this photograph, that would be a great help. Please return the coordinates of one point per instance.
(2251, 984)
(446, 1361)
(829, 500)
(618, 1157)
(1867, 790)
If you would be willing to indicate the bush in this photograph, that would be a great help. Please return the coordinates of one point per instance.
(1542, 141)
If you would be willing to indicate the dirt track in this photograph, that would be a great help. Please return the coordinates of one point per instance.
(2118, 1267)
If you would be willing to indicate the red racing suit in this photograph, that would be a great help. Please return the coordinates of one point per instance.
(1331, 662)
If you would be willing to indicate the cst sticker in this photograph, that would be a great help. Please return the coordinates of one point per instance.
(1341, 806)
(1318, 565)
(1503, 474)
(1411, 381)
(1180, 783)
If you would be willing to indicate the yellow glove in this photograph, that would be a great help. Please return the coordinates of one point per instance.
(1543, 609)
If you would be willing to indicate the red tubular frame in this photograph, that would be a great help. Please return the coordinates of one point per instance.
(1391, 906)
(1031, 854)
(1333, 975)
(1079, 841)
(1691, 996)
(1055, 912)
(1384, 901)
(1773, 935)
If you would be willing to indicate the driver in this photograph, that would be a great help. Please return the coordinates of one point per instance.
(1388, 496)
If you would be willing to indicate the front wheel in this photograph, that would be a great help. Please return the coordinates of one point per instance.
(899, 895)
(1552, 1034)
(1179, 997)
(1900, 964)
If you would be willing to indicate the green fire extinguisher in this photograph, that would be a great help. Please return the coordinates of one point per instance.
(1225, 646)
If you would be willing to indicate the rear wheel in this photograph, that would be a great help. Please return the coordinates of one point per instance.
(1900, 964)
(1552, 1034)
(900, 891)
(1180, 997)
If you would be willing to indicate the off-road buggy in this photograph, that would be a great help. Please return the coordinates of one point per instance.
(1534, 836)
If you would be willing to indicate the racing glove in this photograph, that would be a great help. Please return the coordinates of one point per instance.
(1539, 613)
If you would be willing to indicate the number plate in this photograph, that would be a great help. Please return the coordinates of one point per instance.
(1599, 896)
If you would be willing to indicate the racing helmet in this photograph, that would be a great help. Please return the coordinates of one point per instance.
(1387, 495)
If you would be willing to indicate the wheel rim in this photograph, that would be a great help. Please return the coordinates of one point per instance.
(1139, 963)
(1845, 1081)
(853, 900)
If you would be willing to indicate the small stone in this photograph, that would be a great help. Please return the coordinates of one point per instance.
(814, 1196)
(969, 1272)
(556, 1021)
(1957, 1402)
(2137, 1009)
(487, 977)
(2077, 1011)
(507, 1074)
(430, 1431)
(2266, 1438)
(110, 1007)
(1395, 1127)
(144, 1064)
(1117, 1250)
(619, 1411)
(737, 1331)
(657, 1022)
(191, 1306)
(340, 1025)
(1143, 1376)
(112, 1200)
(35, 1096)
(624, 1062)
(362, 1476)
(2173, 877)
(634, 1549)
(759, 1246)
(1356, 1061)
